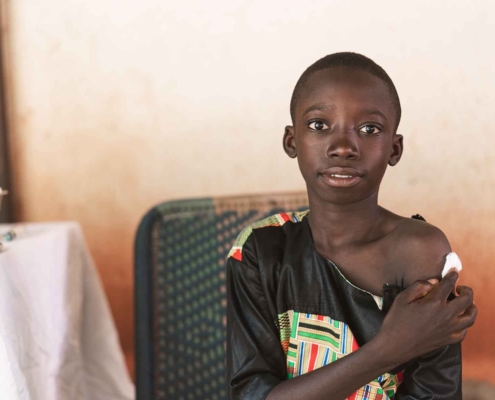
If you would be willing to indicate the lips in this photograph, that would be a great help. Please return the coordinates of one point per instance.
(341, 176)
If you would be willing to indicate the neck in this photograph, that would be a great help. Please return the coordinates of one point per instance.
(335, 225)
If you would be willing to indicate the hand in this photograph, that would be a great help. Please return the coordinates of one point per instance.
(422, 320)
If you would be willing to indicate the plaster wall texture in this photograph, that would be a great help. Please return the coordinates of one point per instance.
(116, 106)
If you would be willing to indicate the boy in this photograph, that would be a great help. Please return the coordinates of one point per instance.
(309, 293)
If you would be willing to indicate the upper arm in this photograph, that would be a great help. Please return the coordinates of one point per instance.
(436, 375)
(255, 358)
(424, 249)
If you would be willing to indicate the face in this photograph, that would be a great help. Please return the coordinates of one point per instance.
(343, 135)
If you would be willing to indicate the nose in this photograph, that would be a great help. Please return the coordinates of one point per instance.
(343, 145)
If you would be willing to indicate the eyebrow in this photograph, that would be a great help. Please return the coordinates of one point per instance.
(317, 107)
(324, 107)
(373, 111)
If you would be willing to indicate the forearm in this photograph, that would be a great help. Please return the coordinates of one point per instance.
(339, 379)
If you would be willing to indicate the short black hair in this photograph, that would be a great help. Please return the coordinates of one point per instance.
(348, 60)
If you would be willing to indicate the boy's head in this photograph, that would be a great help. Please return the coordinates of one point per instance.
(346, 60)
(345, 112)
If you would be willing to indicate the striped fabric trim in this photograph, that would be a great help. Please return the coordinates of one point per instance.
(312, 341)
(273, 220)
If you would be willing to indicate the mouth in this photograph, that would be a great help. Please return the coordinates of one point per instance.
(341, 177)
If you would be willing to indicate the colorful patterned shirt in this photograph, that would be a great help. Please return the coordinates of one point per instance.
(291, 311)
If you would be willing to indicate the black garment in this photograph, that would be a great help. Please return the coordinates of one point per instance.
(291, 311)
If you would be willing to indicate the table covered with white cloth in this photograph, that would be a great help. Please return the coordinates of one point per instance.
(57, 337)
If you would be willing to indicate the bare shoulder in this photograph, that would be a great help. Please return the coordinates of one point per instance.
(421, 249)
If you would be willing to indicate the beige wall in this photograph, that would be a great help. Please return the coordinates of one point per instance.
(117, 105)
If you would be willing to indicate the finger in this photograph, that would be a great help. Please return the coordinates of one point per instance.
(467, 319)
(463, 301)
(464, 289)
(459, 336)
(451, 270)
(447, 284)
(417, 290)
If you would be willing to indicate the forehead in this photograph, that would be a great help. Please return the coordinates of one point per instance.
(342, 86)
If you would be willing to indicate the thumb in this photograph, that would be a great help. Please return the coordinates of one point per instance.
(419, 289)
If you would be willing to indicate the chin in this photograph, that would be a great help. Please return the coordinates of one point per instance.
(340, 196)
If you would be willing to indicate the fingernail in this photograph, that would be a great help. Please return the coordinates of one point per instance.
(433, 281)
(454, 271)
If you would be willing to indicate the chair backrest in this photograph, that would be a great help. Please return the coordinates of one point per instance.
(180, 295)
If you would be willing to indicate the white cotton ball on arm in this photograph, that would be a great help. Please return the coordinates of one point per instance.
(452, 261)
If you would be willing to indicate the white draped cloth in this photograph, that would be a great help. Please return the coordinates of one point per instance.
(58, 340)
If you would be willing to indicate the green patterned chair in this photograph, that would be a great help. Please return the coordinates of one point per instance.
(180, 296)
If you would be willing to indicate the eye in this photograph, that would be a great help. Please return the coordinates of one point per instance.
(318, 125)
(370, 130)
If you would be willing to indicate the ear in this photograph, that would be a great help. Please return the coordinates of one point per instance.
(397, 150)
(289, 142)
